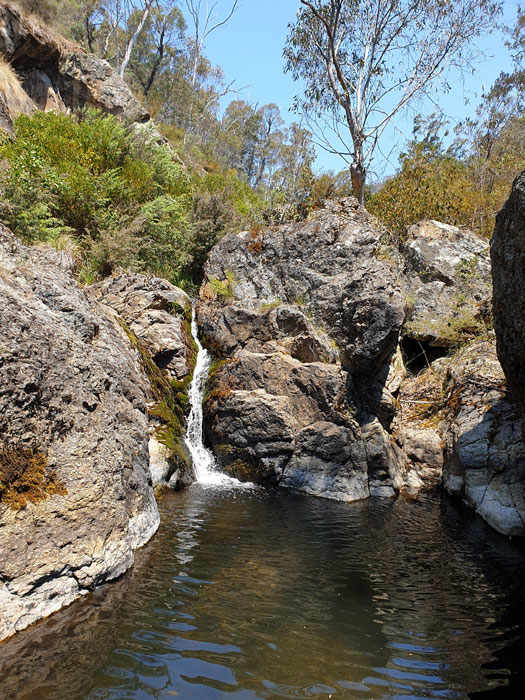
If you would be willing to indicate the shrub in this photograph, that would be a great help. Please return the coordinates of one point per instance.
(126, 203)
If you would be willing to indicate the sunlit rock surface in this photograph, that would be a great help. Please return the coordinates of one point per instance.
(75, 489)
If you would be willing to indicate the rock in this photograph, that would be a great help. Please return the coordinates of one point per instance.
(157, 313)
(157, 316)
(58, 75)
(508, 272)
(282, 327)
(448, 281)
(273, 419)
(75, 489)
(306, 319)
(328, 265)
(416, 426)
(484, 452)
(13, 100)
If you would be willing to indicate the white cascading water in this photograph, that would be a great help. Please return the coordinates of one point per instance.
(204, 463)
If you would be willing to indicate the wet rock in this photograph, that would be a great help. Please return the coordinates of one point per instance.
(508, 272)
(75, 489)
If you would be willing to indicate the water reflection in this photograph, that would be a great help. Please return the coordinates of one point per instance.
(262, 595)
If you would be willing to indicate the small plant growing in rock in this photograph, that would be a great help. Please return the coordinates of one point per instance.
(224, 288)
(267, 306)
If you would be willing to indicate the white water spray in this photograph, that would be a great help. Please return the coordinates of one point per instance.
(204, 463)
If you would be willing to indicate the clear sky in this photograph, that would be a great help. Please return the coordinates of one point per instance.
(249, 50)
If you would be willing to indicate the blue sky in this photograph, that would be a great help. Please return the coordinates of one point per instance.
(249, 50)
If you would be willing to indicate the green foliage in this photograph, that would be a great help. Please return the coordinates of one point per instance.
(224, 288)
(162, 247)
(431, 184)
(127, 204)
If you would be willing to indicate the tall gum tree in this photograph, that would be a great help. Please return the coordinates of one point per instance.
(363, 61)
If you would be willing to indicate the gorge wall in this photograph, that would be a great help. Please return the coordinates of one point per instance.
(349, 366)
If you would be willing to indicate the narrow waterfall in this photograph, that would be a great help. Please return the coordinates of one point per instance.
(204, 463)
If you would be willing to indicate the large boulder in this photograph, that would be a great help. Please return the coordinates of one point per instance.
(75, 490)
(305, 320)
(272, 417)
(330, 267)
(448, 282)
(483, 451)
(58, 75)
(508, 272)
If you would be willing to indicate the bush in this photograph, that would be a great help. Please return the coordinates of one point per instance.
(123, 200)
(430, 185)
(127, 204)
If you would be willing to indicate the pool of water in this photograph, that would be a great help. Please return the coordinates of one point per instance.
(245, 593)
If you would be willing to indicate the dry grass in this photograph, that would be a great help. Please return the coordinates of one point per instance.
(16, 98)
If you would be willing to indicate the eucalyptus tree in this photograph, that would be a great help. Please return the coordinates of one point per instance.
(160, 47)
(363, 61)
(204, 20)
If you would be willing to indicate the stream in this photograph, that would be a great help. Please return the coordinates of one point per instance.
(249, 593)
(245, 593)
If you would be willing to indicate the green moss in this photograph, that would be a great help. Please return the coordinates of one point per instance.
(224, 288)
(270, 305)
(171, 401)
(216, 389)
(177, 308)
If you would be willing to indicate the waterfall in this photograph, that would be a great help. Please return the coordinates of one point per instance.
(204, 463)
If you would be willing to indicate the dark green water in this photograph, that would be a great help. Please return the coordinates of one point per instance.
(250, 594)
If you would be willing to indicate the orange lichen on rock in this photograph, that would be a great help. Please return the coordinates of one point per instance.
(25, 477)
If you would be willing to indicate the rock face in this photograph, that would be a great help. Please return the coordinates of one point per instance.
(75, 489)
(484, 453)
(448, 281)
(156, 312)
(58, 75)
(311, 389)
(329, 265)
(508, 272)
(307, 334)
(157, 316)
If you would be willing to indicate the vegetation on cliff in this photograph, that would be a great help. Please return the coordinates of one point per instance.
(88, 184)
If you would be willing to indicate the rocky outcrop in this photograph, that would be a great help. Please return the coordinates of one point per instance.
(329, 266)
(306, 318)
(75, 489)
(157, 315)
(59, 75)
(311, 389)
(483, 451)
(508, 272)
(448, 282)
